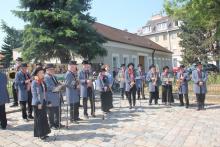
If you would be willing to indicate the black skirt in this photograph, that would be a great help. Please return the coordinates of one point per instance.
(106, 101)
(41, 126)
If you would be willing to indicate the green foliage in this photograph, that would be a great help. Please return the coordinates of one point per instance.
(59, 28)
(194, 41)
(213, 78)
(12, 40)
(203, 18)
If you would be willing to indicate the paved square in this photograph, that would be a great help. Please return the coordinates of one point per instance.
(151, 126)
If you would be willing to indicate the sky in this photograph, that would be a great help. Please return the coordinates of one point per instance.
(121, 14)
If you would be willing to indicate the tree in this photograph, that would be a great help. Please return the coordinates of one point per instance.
(194, 41)
(12, 40)
(59, 28)
(199, 14)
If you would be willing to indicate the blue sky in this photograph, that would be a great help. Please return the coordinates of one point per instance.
(122, 14)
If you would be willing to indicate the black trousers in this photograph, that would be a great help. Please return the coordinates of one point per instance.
(74, 111)
(154, 95)
(54, 116)
(24, 107)
(186, 99)
(91, 98)
(3, 119)
(85, 105)
(140, 92)
(200, 100)
(132, 93)
(15, 94)
(122, 92)
(167, 95)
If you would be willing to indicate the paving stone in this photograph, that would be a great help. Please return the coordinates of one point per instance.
(151, 126)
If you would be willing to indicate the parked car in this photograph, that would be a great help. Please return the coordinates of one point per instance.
(211, 67)
(207, 67)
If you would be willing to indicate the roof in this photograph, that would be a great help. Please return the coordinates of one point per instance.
(121, 36)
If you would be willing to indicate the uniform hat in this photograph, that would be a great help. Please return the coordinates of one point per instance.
(139, 65)
(102, 69)
(73, 63)
(152, 66)
(35, 72)
(182, 66)
(24, 65)
(19, 59)
(122, 65)
(198, 63)
(130, 64)
(85, 62)
(165, 67)
(50, 65)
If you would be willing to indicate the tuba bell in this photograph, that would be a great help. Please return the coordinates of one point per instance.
(11, 74)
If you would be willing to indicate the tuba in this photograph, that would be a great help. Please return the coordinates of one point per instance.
(11, 74)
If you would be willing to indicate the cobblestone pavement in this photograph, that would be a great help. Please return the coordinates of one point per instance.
(151, 126)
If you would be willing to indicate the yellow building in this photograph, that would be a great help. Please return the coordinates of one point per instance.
(164, 31)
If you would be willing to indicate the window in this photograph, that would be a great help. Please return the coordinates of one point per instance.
(164, 36)
(115, 61)
(150, 61)
(174, 36)
(174, 62)
(156, 38)
(125, 59)
(134, 60)
(147, 29)
(176, 23)
(162, 26)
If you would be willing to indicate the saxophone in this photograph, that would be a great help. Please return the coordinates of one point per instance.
(179, 82)
(154, 79)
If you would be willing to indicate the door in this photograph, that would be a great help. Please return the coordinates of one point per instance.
(141, 61)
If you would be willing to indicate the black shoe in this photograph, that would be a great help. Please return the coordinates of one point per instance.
(181, 105)
(93, 115)
(14, 105)
(150, 104)
(44, 137)
(80, 105)
(187, 106)
(130, 107)
(30, 117)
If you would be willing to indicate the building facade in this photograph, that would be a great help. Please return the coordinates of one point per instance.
(164, 31)
(124, 47)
